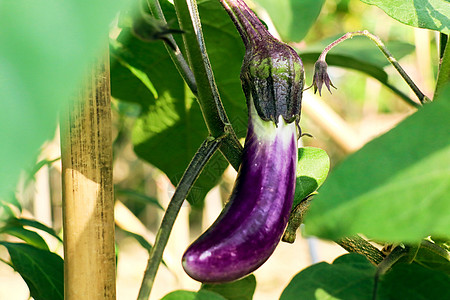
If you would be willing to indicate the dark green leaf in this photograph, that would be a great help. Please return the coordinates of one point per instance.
(427, 258)
(312, 170)
(411, 281)
(403, 173)
(242, 289)
(135, 195)
(188, 295)
(29, 236)
(46, 46)
(430, 14)
(171, 127)
(351, 276)
(42, 270)
(292, 18)
(37, 225)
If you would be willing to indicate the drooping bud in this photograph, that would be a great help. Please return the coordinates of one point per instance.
(272, 72)
(321, 77)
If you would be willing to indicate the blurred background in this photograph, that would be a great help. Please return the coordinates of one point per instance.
(360, 109)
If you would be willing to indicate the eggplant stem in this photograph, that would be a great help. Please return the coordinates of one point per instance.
(175, 54)
(201, 157)
(208, 96)
(387, 264)
(359, 245)
(422, 98)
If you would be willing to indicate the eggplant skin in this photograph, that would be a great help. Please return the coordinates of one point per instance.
(255, 217)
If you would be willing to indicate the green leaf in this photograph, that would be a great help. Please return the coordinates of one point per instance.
(292, 18)
(430, 14)
(383, 190)
(29, 236)
(46, 47)
(411, 281)
(171, 126)
(137, 196)
(351, 276)
(427, 258)
(312, 170)
(242, 289)
(42, 270)
(37, 225)
(188, 295)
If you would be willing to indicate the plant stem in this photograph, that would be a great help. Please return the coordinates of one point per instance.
(444, 70)
(176, 56)
(422, 98)
(435, 249)
(387, 264)
(359, 245)
(210, 103)
(201, 157)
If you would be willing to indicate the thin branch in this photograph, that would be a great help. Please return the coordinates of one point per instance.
(204, 153)
(435, 249)
(359, 245)
(444, 70)
(422, 98)
(210, 103)
(387, 264)
(176, 56)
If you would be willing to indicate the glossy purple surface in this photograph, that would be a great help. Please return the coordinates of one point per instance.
(253, 221)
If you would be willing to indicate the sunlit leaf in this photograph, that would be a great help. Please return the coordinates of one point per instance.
(312, 170)
(430, 14)
(393, 189)
(292, 18)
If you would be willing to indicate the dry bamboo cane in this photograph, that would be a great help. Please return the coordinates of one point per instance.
(88, 201)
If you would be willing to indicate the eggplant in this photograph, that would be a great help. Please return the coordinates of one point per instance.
(252, 222)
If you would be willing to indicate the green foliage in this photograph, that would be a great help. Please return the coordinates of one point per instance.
(137, 196)
(41, 269)
(384, 189)
(312, 170)
(412, 281)
(242, 289)
(46, 47)
(34, 224)
(430, 259)
(430, 14)
(187, 295)
(171, 127)
(29, 236)
(292, 18)
(351, 276)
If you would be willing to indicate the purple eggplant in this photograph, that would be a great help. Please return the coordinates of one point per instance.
(255, 217)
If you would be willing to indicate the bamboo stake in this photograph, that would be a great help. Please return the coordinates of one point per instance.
(88, 201)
